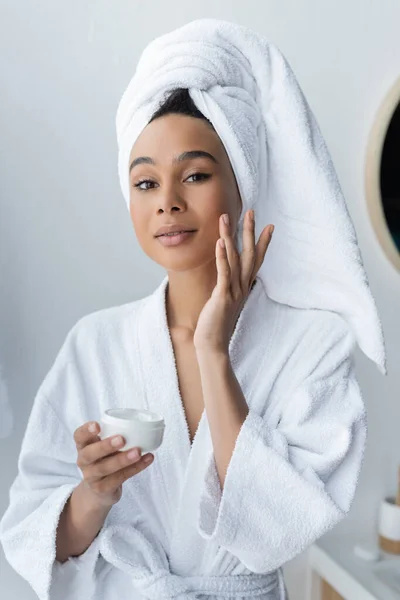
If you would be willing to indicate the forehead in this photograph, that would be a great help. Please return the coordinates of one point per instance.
(173, 133)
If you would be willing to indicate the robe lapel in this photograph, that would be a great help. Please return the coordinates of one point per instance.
(160, 381)
(181, 466)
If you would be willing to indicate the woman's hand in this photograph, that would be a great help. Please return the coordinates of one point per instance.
(236, 274)
(104, 467)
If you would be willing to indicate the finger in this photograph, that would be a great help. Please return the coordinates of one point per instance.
(99, 449)
(111, 482)
(232, 255)
(110, 464)
(223, 268)
(262, 247)
(86, 434)
(248, 255)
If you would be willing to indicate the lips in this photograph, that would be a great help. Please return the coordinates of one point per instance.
(171, 233)
(173, 228)
(175, 239)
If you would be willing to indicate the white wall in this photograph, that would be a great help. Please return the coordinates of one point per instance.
(67, 247)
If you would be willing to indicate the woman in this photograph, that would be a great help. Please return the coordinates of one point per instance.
(265, 422)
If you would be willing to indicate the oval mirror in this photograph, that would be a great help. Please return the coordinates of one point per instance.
(382, 175)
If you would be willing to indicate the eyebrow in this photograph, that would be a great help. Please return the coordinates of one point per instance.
(184, 156)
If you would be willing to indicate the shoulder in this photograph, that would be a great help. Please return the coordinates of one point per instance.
(294, 327)
(316, 328)
(103, 325)
(312, 341)
(94, 362)
(94, 324)
(90, 341)
(311, 327)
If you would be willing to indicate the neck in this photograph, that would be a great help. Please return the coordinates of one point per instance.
(187, 293)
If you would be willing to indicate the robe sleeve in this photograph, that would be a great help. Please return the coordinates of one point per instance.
(287, 485)
(47, 476)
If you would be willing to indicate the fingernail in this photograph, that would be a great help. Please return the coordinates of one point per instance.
(226, 219)
(92, 427)
(272, 230)
(133, 454)
(252, 215)
(148, 458)
(117, 441)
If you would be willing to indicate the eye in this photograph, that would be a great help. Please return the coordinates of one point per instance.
(139, 183)
(202, 175)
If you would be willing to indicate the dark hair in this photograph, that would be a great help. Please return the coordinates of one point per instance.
(179, 101)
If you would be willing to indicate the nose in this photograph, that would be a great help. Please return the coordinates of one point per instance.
(170, 200)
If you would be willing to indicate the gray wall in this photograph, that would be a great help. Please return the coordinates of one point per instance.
(67, 246)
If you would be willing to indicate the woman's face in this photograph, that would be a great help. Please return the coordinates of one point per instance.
(192, 191)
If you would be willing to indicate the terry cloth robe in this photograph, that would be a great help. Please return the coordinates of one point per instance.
(174, 534)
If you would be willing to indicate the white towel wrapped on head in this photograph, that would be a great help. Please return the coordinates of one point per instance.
(244, 85)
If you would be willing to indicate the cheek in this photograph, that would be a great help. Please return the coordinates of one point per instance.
(218, 200)
(139, 221)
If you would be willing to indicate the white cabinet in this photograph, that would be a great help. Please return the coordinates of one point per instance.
(334, 572)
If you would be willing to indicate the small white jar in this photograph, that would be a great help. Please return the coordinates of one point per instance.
(140, 428)
(389, 525)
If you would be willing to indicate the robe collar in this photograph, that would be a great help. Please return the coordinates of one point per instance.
(159, 369)
(179, 465)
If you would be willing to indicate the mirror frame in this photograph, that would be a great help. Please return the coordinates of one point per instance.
(372, 173)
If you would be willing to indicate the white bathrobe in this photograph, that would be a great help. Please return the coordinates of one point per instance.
(173, 534)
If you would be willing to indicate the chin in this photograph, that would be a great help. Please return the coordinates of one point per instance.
(179, 264)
